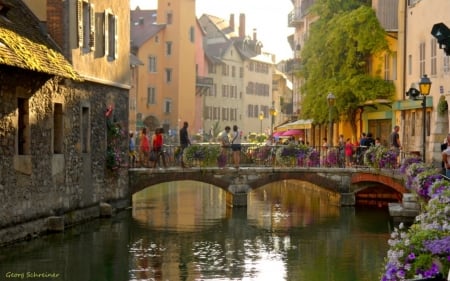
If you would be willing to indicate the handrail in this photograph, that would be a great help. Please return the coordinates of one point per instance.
(258, 154)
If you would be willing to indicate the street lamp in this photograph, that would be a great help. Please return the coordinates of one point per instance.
(424, 88)
(261, 117)
(331, 99)
(273, 113)
(424, 91)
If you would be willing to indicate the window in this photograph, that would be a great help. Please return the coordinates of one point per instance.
(151, 95)
(413, 121)
(86, 25)
(58, 128)
(152, 64)
(394, 66)
(422, 59)
(446, 64)
(192, 34)
(167, 106)
(233, 71)
(85, 129)
(241, 72)
(23, 123)
(111, 38)
(169, 17)
(168, 75)
(168, 48)
(433, 58)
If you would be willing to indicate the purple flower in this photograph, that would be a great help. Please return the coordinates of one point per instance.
(438, 246)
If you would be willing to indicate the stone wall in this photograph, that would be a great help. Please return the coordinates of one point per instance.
(42, 183)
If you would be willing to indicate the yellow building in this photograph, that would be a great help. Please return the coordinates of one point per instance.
(164, 40)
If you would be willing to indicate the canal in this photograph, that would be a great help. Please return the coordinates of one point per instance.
(291, 230)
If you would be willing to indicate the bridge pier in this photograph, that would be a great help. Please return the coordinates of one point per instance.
(239, 194)
(348, 199)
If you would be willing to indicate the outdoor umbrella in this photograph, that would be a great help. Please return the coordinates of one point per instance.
(292, 132)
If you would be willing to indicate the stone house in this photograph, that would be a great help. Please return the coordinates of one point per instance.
(63, 122)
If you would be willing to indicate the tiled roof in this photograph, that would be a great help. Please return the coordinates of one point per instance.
(143, 26)
(24, 45)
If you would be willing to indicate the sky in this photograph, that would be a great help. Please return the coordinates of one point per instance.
(269, 17)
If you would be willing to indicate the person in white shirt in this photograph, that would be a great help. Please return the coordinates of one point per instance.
(446, 158)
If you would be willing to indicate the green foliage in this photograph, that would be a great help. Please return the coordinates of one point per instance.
(336, 59)
(201, 155)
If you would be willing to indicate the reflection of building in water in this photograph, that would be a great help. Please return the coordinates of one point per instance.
(188, 201)
(293, 204)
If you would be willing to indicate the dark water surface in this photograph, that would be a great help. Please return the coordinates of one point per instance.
(291, 230)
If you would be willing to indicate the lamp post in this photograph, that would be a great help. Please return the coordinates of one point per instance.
(424, 88)
(330, 99)
(273, 113)
(261, 117)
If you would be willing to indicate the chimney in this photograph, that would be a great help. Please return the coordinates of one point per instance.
(232, 22)
(254, 34)
(55, 20)
(242, 25)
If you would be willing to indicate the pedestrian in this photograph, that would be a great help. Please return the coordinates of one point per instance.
(369, 140)
(348, 153)
(394, 140)
(144, 148)
(236, 136)
(132, 150)
(157, 147)
(377, 141)
(224, 140)
(184, 141)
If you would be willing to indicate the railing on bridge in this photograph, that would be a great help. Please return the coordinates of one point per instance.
(254, 154)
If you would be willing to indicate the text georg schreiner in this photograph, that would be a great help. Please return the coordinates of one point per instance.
(23, 275)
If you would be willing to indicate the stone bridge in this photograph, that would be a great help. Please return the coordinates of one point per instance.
(238, 183)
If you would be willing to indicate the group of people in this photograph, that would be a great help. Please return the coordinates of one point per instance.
(150, 152)
(230, 140)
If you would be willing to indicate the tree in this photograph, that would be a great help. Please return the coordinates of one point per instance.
(336, 58)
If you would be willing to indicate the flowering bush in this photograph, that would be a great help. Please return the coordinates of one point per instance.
(287, 155)
(332, 157)
(423, 251)
(114, 154)
(380, 157)
(408, 161)
(314, 158)
(201, 155)
(423, 181)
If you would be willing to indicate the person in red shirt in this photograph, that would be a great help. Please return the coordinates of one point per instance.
(157, 147)
(144, 148)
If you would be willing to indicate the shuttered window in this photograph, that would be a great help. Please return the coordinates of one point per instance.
(86, 25)
(111, 35)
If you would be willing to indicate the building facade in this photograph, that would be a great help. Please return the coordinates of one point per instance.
(59, 155)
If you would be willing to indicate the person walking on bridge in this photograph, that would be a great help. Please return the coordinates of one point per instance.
(184, 141)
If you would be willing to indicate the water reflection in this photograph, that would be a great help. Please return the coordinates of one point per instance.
(290, 231)
(185, 231)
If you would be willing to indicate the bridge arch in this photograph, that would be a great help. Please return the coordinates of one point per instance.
(347, 182)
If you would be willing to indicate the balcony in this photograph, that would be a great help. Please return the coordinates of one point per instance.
(295, 18)
(203, 85)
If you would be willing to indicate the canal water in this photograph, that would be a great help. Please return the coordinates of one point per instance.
(291, 230)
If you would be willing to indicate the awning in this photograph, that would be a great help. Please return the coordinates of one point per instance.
(277, 134)
(293, 132)
(300, 124)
